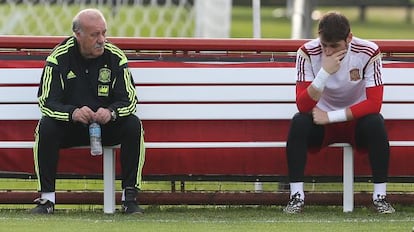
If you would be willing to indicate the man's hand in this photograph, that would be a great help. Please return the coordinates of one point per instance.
(331, 63)
(83, 115)
(103, 116)
(320, 117)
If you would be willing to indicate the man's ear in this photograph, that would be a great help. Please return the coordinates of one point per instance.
(349, 37)
(77, 34)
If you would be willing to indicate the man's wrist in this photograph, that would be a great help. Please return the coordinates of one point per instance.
(73, 114)
(113, 114)
(337, 116)
(320, 79)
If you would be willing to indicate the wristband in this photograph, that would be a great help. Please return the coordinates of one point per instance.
(337, 115)
(320, 80)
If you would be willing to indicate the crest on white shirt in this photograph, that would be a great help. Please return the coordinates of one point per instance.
(355, 75)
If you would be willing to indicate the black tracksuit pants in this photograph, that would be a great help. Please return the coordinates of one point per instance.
(52, 135)
(370, 133)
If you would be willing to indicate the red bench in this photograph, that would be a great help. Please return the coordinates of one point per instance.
(208, 115)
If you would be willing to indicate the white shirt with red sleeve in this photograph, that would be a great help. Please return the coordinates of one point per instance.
(360, 70)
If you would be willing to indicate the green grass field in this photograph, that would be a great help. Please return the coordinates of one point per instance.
(211, 218)
(25, 19)
(381, 23)
(185, 218)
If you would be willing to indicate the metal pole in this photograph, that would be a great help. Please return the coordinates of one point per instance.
(256, 19)
(302, 19)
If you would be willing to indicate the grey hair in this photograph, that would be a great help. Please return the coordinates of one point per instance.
(76, 22)
(76, 25)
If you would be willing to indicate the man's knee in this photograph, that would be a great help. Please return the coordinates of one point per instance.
(374, 118)
(48, 127)
(301, 119)
(373, 122)
(132, 124)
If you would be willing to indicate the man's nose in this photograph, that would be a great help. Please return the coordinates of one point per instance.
(101, 38)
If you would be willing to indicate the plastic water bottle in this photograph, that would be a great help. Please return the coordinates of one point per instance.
(95, 137)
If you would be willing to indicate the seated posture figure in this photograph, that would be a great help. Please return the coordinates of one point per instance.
(86, 79)
(339, 92)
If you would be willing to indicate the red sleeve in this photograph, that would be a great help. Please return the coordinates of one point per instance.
(371, 105)
(303, 101)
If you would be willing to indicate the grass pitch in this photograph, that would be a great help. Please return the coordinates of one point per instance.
(210, 218)
(138, 21)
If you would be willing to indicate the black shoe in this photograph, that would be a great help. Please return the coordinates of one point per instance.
(130, 205)
(44, 206)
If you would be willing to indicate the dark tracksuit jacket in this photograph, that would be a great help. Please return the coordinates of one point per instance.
(70, 81)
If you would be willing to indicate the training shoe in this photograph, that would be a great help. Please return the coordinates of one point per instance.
(130, 205)
(295, 204)
(382, 206)
(44, 206)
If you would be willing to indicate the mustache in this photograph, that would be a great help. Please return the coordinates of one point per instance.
(99, 45)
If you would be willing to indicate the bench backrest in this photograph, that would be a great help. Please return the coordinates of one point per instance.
(205, 93)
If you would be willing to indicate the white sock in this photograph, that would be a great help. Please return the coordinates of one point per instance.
(49, 195)
(379, 189)
(123, 195)
(297, 187)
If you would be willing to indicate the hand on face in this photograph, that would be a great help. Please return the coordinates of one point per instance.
(331, 63)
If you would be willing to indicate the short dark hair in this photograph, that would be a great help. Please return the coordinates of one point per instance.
(333, 27)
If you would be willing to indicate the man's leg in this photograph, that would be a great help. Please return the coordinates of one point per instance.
(50, 136)
(129, 133)
(370, 132)
(46, 153)
(46, 156)
(303, 133)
